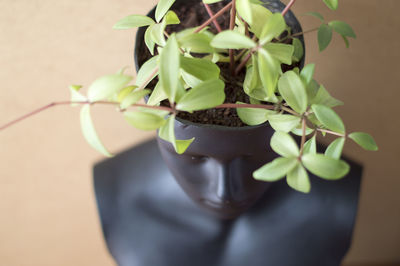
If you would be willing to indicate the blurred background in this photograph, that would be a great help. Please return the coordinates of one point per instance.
(48, 210)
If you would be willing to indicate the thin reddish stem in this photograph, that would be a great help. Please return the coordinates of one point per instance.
(255, 106)
(287, 8)
(331, 132)
(243, 63)
(53, 104)
(209, 11)
(211, 19)
(231, 27)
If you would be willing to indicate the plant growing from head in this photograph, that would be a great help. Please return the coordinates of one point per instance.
(184, 67)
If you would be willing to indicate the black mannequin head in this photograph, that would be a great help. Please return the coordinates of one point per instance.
(216, 170)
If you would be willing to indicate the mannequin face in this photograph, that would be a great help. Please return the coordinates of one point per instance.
(216, 170)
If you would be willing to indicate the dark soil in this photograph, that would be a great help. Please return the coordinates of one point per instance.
(192, 16)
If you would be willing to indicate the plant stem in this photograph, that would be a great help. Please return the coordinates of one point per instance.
(331, 132)
(231, 27)
(53, 104)
(290, 111)
(211, 19)
(287, 8)
(304, 32)
(303, 136)
(209, 11)
(244, 62)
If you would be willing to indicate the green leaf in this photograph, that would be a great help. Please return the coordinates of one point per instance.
(293, 91)
(162, 8)
(280, 51)
(324, 36)
(169, 68)
(307, 74)
(268, 68)
(201, 69)
(298, 131)
(324, 98)
(298, 179)
(149, 40)
(346, 41)
(275, 170)
(230, 39)
(133, 21)
(157, 33)
(144, 120)
(335, 149)
(253, 116)
(142, 78)
(274, 27)
(311, 146)
(298, 50)
(325, 167)
(211, 1)
(206, 95)
(89, 132)
(171, 18)
(316, 15)
(157, 95)
(167, 133)
(342, 28)
(133, 98)
(197, 43)
(332, 4)
(328, 118)
(243, 7)
(125, 92)
(284, 145)
(260, 16)
(106, 86)
(284, 123)
(366, 141)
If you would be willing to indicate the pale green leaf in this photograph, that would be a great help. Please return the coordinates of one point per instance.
(106, 86)
(284, 123)
(283, 144)
(310, 146)
(342, 28)
(169, 68)
(143, 76)
(211, 1)
(268, 68)
(275, 170)
(280, 51)
(324, 98)
(293, 91)
(162, 8)
(298, 131)
(298, 50)
(202, 69)
(332, 4)
(157, 33)
(197, 43)
(328, 118)
(324, 36)
(125, 92)
(274, 27)
(298, 179)
(144, 120)
(325, 167)
(335, 149)
(133, 98)
(133, 21)
(157, 95)
(206, 95)
(253, 116)
(366, 141)
(260, 16)
(89, 132)
(149, 40)
(76, 96)
(243, 7)
(232, 40)
(307, 74)
(167, 133)
(171, 18)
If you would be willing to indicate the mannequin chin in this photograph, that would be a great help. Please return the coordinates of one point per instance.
(217, 169)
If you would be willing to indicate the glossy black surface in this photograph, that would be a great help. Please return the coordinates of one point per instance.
(148, 220)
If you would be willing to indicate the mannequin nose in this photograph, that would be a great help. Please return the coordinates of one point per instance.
(224, 184)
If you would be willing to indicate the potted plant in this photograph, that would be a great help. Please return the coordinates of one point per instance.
(242, 68)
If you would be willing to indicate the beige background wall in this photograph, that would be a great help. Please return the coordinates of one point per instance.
(48, 213)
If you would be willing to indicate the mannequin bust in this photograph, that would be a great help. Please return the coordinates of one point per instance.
(218, 214)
